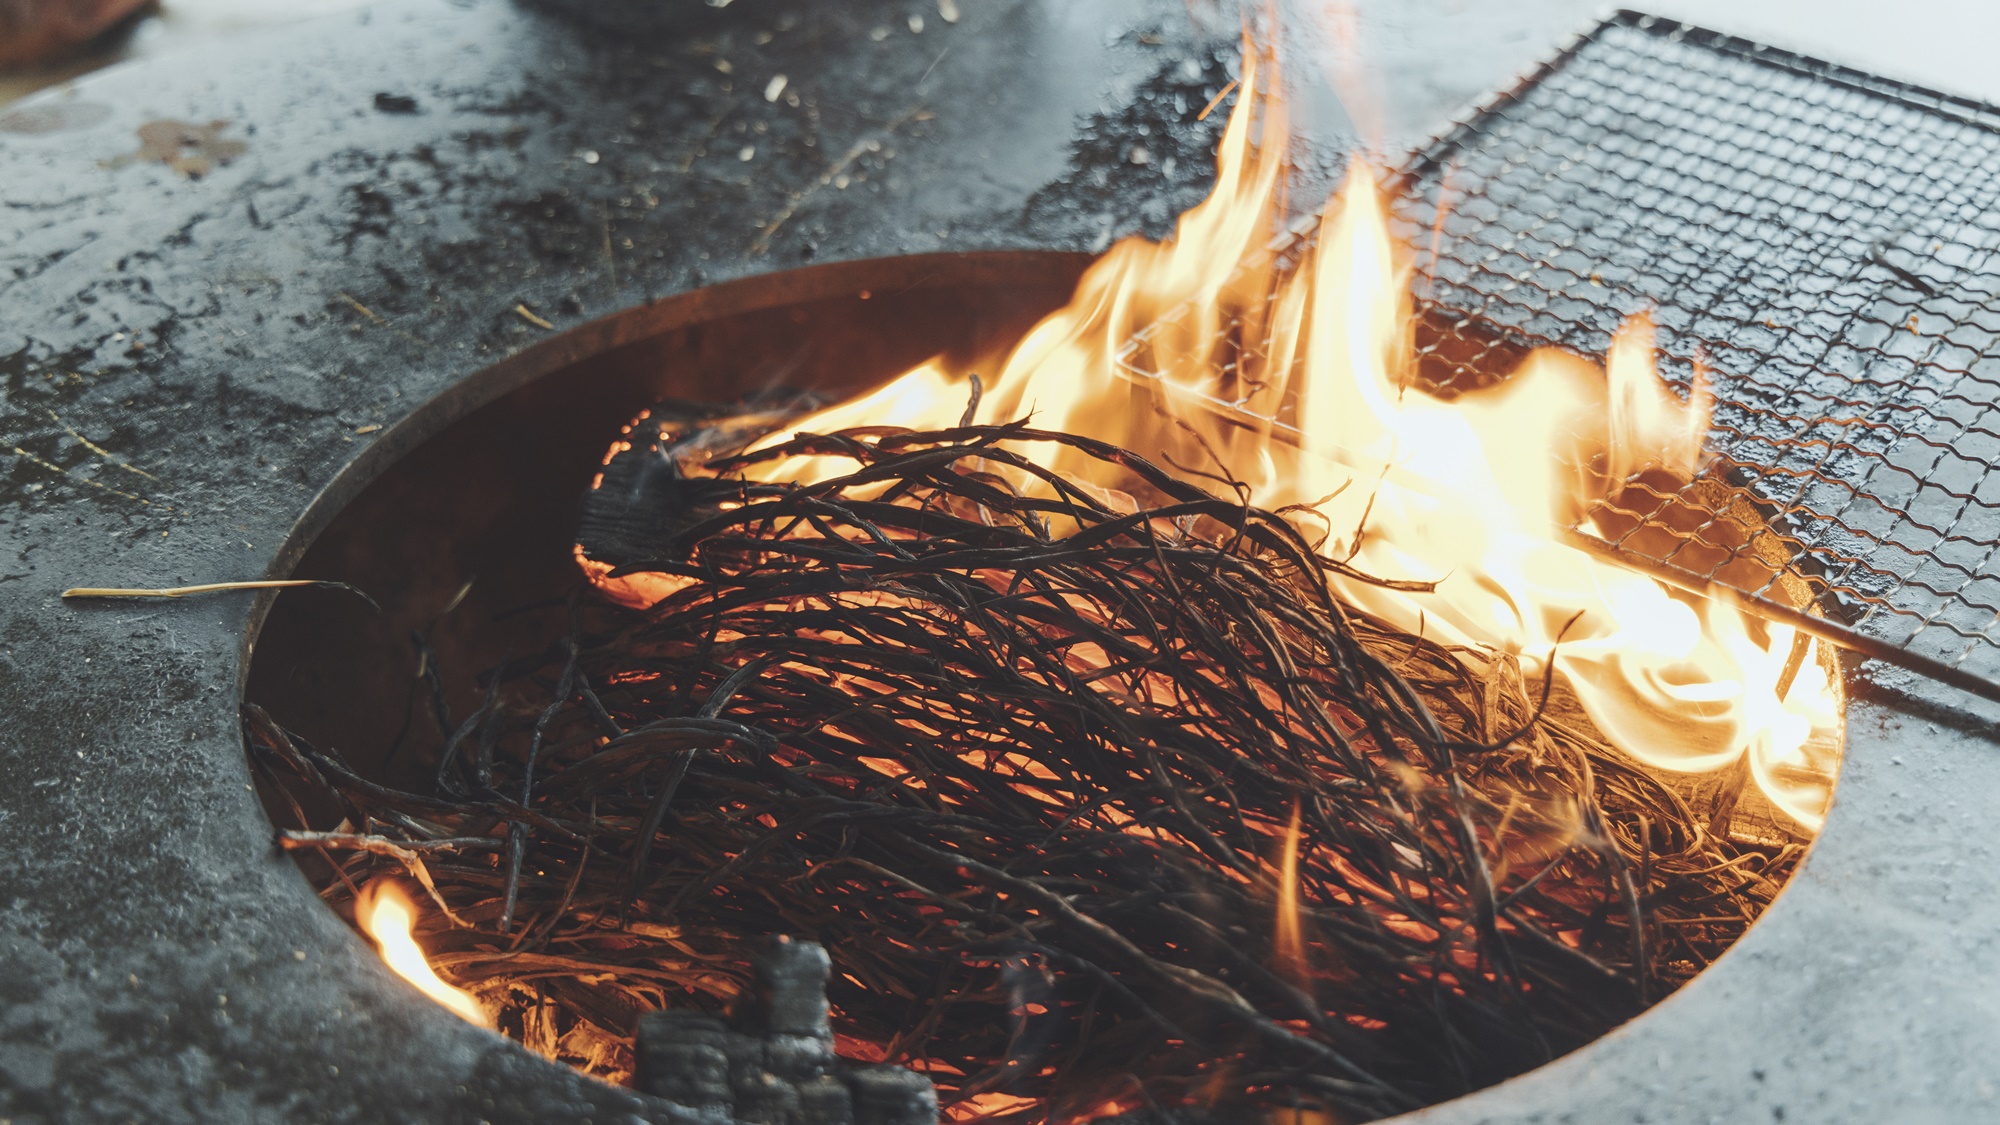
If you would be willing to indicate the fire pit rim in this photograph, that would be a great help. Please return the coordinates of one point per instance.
(890, 276)
(634, 324)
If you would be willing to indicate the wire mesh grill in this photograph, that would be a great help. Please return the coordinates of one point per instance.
(1826, 244)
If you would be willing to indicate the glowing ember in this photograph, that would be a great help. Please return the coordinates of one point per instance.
(1289, 946)
(1310, 404)
(388, 916)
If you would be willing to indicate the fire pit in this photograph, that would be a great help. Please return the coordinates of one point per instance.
(1731, 1038)
(1040, 696)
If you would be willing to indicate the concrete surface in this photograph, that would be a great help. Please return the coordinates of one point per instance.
(186, 366)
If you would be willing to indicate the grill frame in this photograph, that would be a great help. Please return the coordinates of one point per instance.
(1531, 177)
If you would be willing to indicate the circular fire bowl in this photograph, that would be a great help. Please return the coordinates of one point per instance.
(380, 229)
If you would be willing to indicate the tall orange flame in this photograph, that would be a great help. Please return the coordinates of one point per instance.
(1299, 384)
(388, 917)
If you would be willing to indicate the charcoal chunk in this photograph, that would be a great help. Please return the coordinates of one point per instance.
(685, 1058)
(763, 1098)
(799, 1057)
(788, 996)
(890, 1095)
(826, 1101)
(772, 1063)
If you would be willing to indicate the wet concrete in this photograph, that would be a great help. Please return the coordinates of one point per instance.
(191, 358)
(191, 354)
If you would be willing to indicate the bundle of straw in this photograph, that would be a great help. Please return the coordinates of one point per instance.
(1092, 807)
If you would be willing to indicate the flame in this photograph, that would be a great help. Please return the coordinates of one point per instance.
(388, 917)
(1300, 384)
(1288, 946)
(1649, 427)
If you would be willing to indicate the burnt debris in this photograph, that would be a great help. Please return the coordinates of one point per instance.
(1027, 763)
(773, 1062)
(649, 493)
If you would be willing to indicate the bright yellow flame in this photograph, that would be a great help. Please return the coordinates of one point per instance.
(1473, 494)
(1300, 385)
(388, 916)
(1649, 427)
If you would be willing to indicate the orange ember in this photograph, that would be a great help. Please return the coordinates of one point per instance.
(1289, 949)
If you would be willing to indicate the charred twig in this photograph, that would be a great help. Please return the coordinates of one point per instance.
(1024, 764)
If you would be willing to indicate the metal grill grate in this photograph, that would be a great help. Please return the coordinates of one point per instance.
(1827, 243)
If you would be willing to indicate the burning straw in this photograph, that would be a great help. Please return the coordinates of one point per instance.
(1093, 808)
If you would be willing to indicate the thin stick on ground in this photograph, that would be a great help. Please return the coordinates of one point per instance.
(87, 592)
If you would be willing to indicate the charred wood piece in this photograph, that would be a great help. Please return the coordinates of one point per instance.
(772, 1063)
(650, 491)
